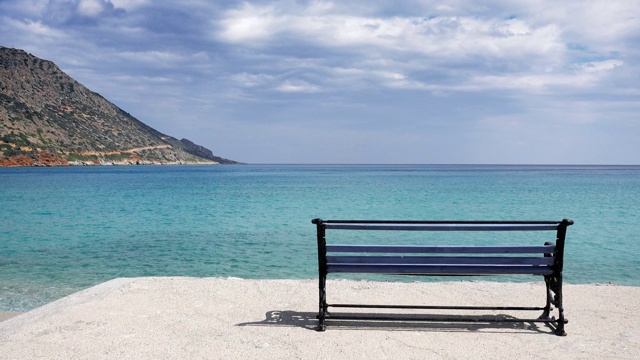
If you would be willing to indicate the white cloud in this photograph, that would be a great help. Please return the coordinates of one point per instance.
(297, 86)
(601, 65)
(525, 53)
(35, 29)
(439, 37)
(90, 8)
(534, 82)
(251, 80)
(249, 23)
(129, 4)
(586, 75)
(600, 24)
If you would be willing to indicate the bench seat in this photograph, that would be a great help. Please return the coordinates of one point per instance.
(404, 260)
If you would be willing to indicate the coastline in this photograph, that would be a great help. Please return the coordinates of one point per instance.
(7, 164)
(178, 317)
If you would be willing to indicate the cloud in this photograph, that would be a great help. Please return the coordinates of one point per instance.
(163, 59)
(297, 87)
(129, 4)
(602, 24)
(414, 45)
(91, 8)
(35, 29)
(249, 24)
(597, 66)
(25, 8)
(251, 80)
(436, 37)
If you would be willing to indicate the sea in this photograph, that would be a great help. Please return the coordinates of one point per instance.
(63, 229)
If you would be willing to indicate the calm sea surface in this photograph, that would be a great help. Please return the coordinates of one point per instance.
(65, 229)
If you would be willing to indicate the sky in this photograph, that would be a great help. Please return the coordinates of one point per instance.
(359, 81)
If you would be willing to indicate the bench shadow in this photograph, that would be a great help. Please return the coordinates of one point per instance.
(308, 320)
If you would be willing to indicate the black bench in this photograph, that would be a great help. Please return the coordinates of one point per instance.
(544, 260)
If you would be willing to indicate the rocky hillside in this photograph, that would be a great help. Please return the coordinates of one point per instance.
(48, 118)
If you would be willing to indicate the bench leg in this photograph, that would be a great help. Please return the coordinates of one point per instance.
(554, 297)
(547, 308)
(558, 302)
(322, 305)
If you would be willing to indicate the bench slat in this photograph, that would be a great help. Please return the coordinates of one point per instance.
(439, 269)
(437, 249)
(469, 260)
(444, 227)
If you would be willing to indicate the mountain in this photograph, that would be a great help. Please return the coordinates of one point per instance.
(48, 118)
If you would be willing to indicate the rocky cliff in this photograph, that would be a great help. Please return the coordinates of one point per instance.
(48, 118)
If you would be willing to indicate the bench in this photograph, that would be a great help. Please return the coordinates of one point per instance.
(545, 260)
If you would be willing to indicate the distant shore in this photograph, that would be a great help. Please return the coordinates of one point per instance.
(105, 163)
(47, 159)
(149, 318)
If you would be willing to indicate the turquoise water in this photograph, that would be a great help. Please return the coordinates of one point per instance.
(64, 229)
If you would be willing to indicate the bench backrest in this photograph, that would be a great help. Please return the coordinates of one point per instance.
(544, 259)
